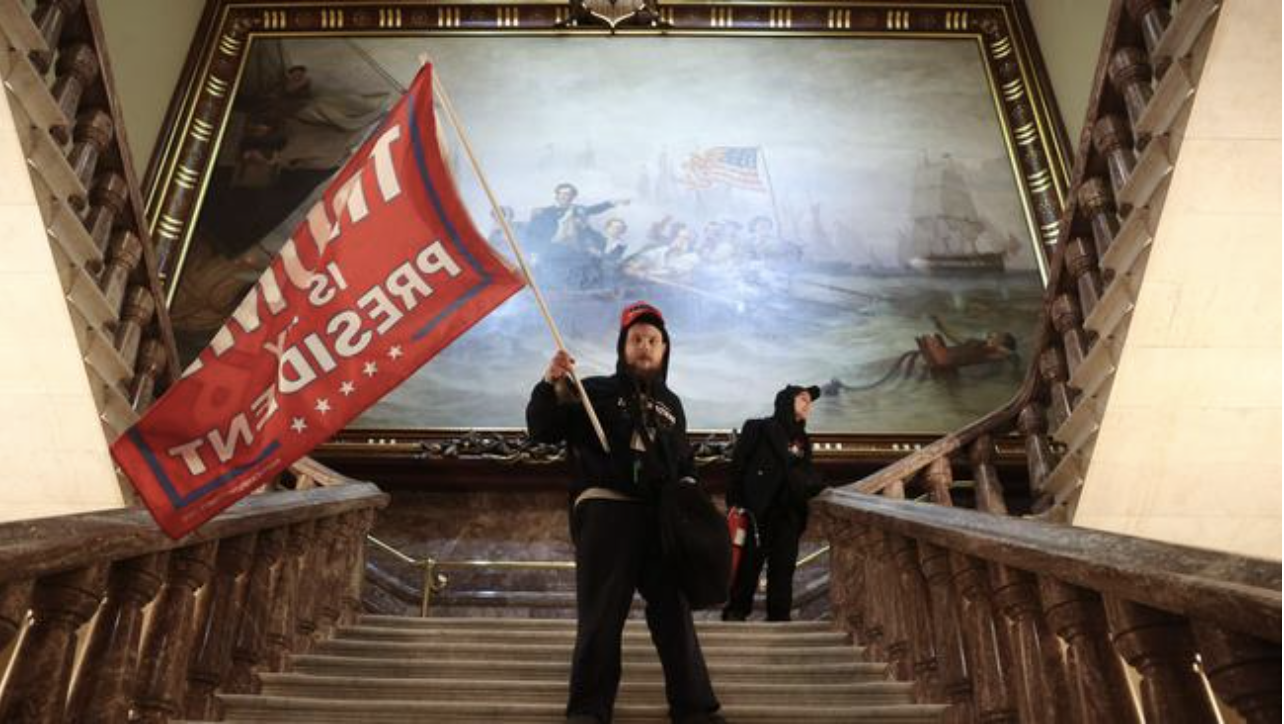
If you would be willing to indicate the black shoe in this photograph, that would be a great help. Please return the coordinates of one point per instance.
(733, 616)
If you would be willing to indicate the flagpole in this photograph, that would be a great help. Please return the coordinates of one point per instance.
(446, 105)
(771, 191)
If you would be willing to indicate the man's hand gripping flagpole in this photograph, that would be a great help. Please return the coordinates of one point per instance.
(449, 108)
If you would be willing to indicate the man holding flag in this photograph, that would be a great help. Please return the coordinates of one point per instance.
(386, 270)
(615, 518)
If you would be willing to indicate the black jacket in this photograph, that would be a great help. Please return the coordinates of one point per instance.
(764, 473)
(614, 400)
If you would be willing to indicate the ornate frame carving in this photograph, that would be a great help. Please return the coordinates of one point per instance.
(1033, 133)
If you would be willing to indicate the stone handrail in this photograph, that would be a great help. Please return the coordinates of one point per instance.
(275, 573)
(1017, 620)
(1144, 80)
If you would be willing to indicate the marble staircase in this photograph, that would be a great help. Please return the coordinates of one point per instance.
(399, 669)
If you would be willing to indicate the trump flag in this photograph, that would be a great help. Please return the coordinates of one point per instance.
(386, 269)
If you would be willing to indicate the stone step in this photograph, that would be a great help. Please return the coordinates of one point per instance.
(755, 635)
(257, 709)
(410, 623)
(631, 692)
(558, 669)
(513, 651)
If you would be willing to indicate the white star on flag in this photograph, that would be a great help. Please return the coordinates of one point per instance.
(323, 405)
(298, 425)
(394, 351)
(347, 388)
(370, 369)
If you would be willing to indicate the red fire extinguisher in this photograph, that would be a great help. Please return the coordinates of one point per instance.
(738, 526)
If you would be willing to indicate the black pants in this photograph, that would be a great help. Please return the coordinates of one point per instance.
(777, 546)
(617, 551)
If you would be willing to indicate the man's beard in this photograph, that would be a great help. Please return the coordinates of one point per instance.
(647, 376)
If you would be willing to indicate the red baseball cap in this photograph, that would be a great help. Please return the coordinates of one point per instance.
(636, 312)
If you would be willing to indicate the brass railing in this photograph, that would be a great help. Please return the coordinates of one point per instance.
(434, 581)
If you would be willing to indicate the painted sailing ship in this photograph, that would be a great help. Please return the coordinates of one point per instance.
(948, 235)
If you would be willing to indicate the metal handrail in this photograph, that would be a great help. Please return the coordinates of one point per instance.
(435, 581)
(812, 557)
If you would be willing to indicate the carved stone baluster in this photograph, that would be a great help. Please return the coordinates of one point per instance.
(334, 570)
(151, 362)
(918, 619)
(362, 523)
(939, 477)
(124, 254)
(104, 687)
(140, 305)
(1038, 454)
(876, 633)
(1082, 265)
(49, 17)
(946, 633)
(310, 592)
(1016, 596)
(1153, 17)
(1097, 203)
(1130, 75)
(1069, 324)
(77, 68)
(216, 633)
(36, 689)
(847, 580)
(15, 600)
(1099, 689)
(168, 641)
(285, 597)
(896, 629)
(108, 197)
(251, 634)
(92, 135)
(1060, 399)
(1244, 671)
(1161, 647)
(981, 640)
(989, 491)
(1113, 139)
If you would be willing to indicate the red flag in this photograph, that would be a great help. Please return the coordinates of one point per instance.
(385, 271)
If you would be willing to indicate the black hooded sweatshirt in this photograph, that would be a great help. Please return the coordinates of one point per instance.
(771, 464)
(624, 405)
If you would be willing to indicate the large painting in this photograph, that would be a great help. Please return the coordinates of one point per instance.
(804, 210)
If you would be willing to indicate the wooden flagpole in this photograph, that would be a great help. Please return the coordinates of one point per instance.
(447, 106)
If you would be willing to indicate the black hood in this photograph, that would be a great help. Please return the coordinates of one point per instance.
(784, 413)
(637, 314)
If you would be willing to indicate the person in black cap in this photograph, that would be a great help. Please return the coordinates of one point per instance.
(772, 478)
(614, 522)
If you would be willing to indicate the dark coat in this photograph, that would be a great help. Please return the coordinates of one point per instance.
(619, 408)
(693, 534)
(614, 400)
(764, 473)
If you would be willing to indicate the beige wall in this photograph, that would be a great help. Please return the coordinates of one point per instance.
(1069, 34)
(51, 443)
(147, 41)
(1189, 449)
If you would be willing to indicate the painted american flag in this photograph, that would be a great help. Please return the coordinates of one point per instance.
(734, 166)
